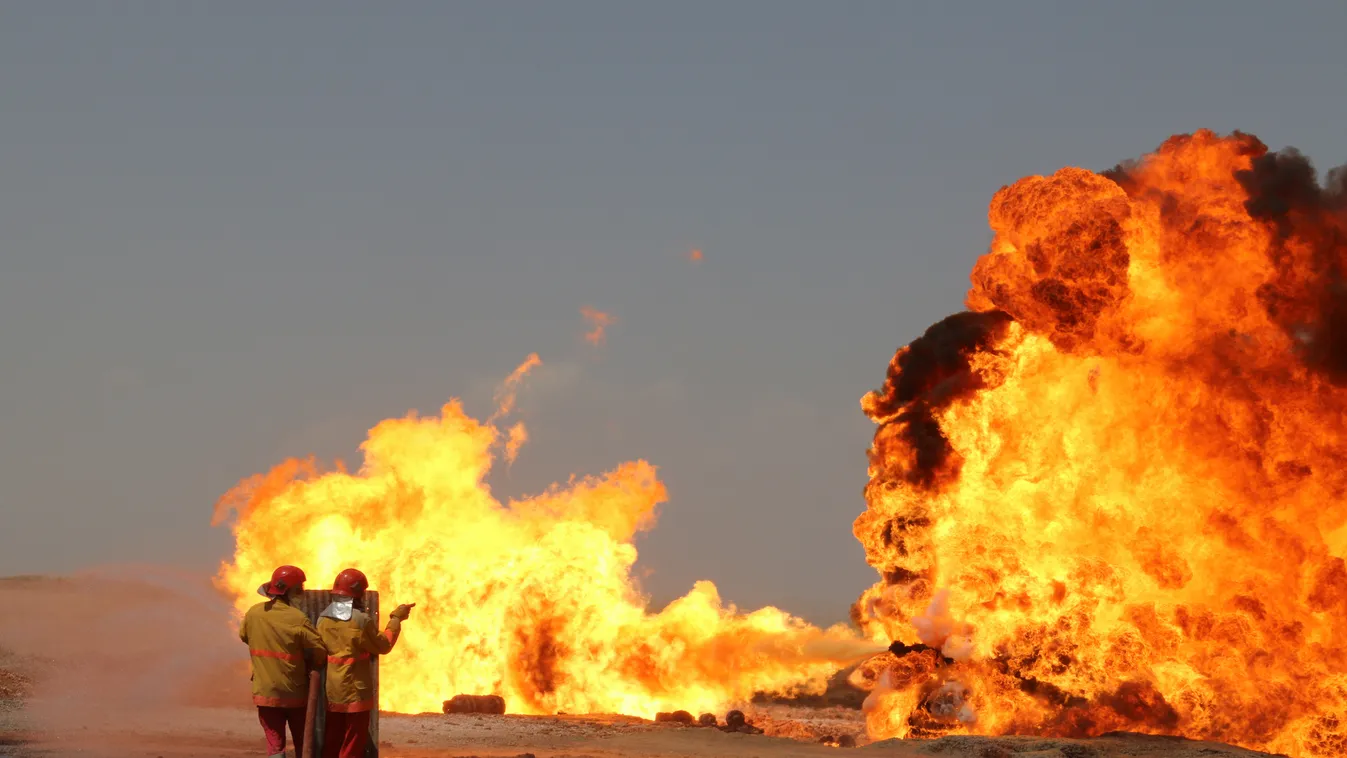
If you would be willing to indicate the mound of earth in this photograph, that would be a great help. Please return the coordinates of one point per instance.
(14, 688)
(18, 676)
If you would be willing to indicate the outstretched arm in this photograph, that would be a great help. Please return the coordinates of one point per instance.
(379, 643)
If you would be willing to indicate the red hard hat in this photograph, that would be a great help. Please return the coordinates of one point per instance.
(350, 583)
(282, 580)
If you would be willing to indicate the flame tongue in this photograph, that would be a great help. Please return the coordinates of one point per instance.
(1120, 471)
(532, 600)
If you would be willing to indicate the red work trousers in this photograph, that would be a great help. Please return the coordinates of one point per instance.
(345, 735)
(273, 726)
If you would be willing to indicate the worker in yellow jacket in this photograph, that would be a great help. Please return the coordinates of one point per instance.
(352, 637)
(284, 646)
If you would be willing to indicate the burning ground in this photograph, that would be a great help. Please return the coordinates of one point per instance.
(1109, 495)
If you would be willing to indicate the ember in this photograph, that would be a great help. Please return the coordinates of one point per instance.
(493, 704)
(1109, 495)
(735, 722)
(677, 717)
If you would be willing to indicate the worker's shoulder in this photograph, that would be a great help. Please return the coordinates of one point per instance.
(278, 611)
(327, 621)
(295, 615)
(358, 619)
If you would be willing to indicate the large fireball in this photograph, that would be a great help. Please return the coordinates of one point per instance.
(1111, 493)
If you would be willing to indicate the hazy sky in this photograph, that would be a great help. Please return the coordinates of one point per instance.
(234, 232)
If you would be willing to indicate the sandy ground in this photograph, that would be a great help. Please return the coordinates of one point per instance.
(230, 732)
(137, 661)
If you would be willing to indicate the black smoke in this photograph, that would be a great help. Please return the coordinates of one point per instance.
(924, 378)
(1308, 296)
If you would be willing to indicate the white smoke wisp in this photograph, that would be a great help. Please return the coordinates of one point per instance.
(939, 629)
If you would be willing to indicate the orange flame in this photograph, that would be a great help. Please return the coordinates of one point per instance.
(1110, 495)
(532, 600)
(508, 392)
(519, 434)
(695, 255)
(599, 323)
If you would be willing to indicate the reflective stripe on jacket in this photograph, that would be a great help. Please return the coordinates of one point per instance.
(350, 644)
(278, 635)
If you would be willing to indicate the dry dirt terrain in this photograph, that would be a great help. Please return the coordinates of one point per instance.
(230, 732)
(141, 662)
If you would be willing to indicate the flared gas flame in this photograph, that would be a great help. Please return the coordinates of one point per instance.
(531, 600)
(1110, 494)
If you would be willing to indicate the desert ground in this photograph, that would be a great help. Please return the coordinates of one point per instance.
(229, 732)
(140, 661)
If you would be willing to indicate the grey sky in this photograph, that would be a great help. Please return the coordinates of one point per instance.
(232, 232)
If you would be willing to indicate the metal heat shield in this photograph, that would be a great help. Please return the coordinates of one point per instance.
(313, 603)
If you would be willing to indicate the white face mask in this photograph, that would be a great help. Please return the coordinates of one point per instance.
(340, 609)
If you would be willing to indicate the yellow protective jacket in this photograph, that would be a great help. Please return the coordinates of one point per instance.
(279, 636)
(350, 645)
